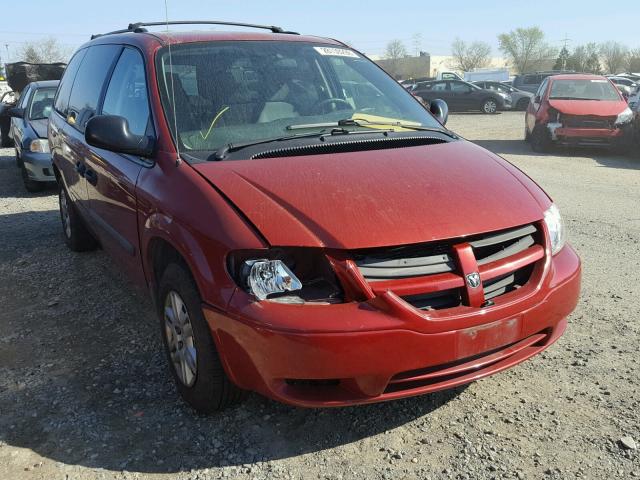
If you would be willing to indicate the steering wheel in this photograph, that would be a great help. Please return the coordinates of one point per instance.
(331, 101)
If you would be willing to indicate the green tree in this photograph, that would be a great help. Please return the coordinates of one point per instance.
(527, 49)
(585, 58)
(563, 59)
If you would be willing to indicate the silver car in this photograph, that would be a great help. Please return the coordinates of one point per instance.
(519, 98)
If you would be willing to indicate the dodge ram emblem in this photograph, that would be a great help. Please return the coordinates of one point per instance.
(473, 279)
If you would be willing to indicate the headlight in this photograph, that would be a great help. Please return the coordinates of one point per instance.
(555, 226)
(39, 146)
(267, 277)
(625, 117)
(291, 275)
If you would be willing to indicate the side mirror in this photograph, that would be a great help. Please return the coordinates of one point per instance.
(111, 132)
(16, 112)
(537, 99)
(440, 110)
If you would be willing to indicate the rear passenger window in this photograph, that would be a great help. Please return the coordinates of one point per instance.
(89, 82)
(61, 103)
(127, 92)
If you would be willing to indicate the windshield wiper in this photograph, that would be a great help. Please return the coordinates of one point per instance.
(363, 122)
(223, 151)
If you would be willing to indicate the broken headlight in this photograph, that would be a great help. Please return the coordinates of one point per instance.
(624, 117)
(555, 226)
(285, 275)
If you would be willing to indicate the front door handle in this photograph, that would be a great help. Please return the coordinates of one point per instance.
(91, 176)
(81, 168)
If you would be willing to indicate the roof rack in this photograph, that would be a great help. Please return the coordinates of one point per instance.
(138, 27)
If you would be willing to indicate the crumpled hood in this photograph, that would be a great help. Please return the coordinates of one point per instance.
(40, 127)
(377, 198)
(589, 107)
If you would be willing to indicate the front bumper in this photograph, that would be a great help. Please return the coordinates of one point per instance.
(39, 166)
(589, 136)
(295, 353)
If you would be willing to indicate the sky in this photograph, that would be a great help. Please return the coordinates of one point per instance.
(368, 26)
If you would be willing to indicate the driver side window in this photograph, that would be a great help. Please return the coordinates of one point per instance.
(127, 92)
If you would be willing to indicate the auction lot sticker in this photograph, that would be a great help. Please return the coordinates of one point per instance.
(336, 52)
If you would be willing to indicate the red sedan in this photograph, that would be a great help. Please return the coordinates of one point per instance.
(578, 109)
(307, 229)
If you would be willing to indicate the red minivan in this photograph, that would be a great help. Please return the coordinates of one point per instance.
(578, 109)
(307, 229)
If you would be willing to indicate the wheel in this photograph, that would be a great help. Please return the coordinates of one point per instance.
(540, 139)
(527, 135)
(30, 185)
(522, 104)
(76, 235)
(191, 352)
(489, 106)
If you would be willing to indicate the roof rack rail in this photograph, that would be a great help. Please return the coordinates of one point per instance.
(138, 27)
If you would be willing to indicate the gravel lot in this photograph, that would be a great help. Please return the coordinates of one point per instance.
(85, 392)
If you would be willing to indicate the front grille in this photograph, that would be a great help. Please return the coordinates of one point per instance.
(435, 266)
(587, 121)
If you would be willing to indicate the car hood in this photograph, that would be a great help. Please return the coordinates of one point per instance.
(589, 107)
(378, 198)
(40, 127)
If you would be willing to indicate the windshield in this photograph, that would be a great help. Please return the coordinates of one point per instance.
(592, 89)
(246, 91)
(42, 103)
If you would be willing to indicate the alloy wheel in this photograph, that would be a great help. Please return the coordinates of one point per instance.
(180, 340)
(490, 106)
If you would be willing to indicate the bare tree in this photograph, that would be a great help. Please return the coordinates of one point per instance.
(585, 58)
(634, 60)
(395, 50)
(467, 56)
(527, 49)
(48, 50)
(614, 56)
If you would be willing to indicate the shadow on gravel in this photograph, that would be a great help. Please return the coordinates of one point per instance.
(83, 379)
(604, 157)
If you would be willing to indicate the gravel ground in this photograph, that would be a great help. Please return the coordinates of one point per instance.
(85, 392)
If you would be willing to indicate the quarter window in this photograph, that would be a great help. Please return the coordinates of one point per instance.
(61, 103)
(127, 92)
(88, 84)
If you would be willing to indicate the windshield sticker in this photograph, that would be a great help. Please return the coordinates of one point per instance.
(336, 52)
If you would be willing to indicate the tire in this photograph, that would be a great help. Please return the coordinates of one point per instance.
(527, 135)
(191, 352)
(75, 233)
(5, 140)
(489, 106)
(30, 185)
(540, 140)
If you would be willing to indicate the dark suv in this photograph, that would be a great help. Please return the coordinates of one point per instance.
(306, 227)
(529, 82)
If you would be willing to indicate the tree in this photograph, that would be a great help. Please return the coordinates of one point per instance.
(614, 56)
(47, 50)
(395, 50)
(467, 57)
(563, 59)
(527, 49)
(585, 58)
